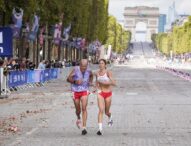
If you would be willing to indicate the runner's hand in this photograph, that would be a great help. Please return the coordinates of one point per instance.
(92, 89)
(78, 82)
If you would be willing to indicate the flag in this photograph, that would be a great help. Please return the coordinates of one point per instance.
(83, 44)
(66, 32)
(57, 33)
(41, 38)
(34, 30)
(78, 43)
(17, 17)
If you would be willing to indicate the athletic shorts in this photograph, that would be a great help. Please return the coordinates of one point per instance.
(105, 94)
(78, 95)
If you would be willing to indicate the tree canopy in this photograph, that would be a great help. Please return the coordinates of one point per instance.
(177, 41)
(88, 18)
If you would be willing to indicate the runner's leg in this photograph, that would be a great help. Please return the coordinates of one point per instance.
(78, 112)
(107, 106)
(107, 110)
(100, 114)
(77, 107)
(84, 100)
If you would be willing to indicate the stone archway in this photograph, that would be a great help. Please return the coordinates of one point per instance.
(140, 32)
(148, 15)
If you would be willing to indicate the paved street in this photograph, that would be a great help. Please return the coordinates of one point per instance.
(150, 108)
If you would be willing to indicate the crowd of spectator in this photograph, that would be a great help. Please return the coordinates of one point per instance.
(24, 64)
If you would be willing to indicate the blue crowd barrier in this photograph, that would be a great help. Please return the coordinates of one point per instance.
(19, 78)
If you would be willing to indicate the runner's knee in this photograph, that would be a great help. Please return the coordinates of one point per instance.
(84, 109)
(101, 111)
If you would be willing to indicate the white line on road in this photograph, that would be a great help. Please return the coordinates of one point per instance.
(131, 93)
(32, 131)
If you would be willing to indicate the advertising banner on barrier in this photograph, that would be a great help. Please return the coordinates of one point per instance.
(17, 78)
(38, 76)
(35, 76)
(54, 73)
(47, 75)
(31, 76)
(60, 75)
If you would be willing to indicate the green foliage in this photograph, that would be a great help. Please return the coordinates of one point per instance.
(179, 41)
(88, 17)
(2, 5)
(117, 37)
(98, 20)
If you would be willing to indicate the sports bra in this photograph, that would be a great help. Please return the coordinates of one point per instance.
(103, 78)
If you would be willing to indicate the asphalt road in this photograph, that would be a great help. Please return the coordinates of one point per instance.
(150, 108)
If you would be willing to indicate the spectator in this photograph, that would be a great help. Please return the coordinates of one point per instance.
(42, 65)
(31, 66)
(23, 64)
(13, 65)
(63, 63)
(48, 64)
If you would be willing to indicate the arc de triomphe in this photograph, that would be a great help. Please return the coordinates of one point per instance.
(148, 15)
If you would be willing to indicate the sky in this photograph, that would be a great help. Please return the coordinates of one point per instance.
(116, 7)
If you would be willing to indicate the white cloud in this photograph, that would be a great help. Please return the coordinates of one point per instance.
(116, 7)
(184, 7)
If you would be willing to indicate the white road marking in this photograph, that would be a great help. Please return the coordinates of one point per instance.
(131, 93)
(32, 131)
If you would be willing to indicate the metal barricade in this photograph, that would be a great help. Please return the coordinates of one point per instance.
(21, 80)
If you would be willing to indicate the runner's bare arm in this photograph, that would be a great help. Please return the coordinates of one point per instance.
(70, 77)
(97, 83)
(110, 75)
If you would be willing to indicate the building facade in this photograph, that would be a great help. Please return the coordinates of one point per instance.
(147, 15)
(162, 22)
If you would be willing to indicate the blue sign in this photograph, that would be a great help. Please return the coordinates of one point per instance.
(6, 44)
(18, 78)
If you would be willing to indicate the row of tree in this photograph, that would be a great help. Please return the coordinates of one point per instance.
(88, 18)
(178, 41)
(117, 37)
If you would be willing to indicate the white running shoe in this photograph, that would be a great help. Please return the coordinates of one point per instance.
(110, 123)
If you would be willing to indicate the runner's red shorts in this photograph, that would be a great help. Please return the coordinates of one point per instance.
(105, 94)
(78, 95)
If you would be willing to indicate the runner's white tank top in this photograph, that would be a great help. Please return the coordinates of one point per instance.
(103, 78)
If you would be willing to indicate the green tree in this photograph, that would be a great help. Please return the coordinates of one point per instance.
(89, 18)
(178, 41)
(117, 37)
